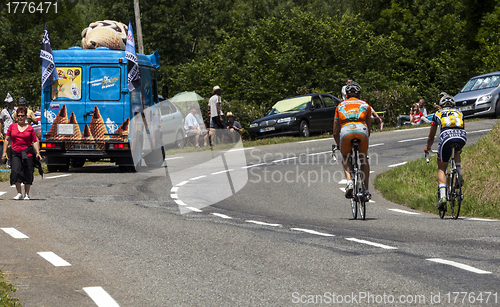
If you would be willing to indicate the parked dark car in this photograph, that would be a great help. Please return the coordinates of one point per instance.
(298, 115)
(480, 96)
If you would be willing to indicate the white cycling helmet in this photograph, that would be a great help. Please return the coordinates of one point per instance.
(353, 88)
(447, 100)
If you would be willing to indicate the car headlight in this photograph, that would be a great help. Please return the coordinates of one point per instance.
(285, 120)
(254, 125)
(483, 99)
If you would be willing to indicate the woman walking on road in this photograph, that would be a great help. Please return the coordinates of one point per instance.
(25, 149)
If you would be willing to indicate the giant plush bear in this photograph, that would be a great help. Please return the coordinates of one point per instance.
(107, 33)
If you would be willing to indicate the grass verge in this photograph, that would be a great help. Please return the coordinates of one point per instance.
(5, 291)
(415, 183)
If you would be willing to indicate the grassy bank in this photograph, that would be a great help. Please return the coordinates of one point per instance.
(5, 291)
(415, 183)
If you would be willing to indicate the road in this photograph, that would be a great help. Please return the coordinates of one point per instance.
(277, 231)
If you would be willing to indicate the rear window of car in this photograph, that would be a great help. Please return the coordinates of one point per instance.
(481, 83)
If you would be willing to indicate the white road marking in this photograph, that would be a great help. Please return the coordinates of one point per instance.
(182, 183)
(174, 189)
(199, 177)
(404, 211)
(371, 172)
(174, 196)
(371, 243)
(224, 171)
(477, 219)
(54, 259)
(194, 209)
(459, 265)
(222, 215)
(314, 232)
(411, 140)
(342, 189)
(286, 159)
(240, 149)
(263, 224)
(100, 297)
(478, 131)
(320, 153)
(374, 145)
(343, 181)
(179, 202)
(58, 176)
(394, 165)
(412, 129)
(174, 158)
(254, 165)
(317, 140)
(2, 193)
(16, 234)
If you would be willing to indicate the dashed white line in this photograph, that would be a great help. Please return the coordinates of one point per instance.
(100, 297)
(459, 265)
(54, 259)
(16, 234)
(313, 232)
(174, 189)
(343, 181)
(222, 215)
(478, 131)
(412, 129)
(404, 211)
(254, 165)
(194, 209)
(317, 140)
(320, 153)
(2, 193)
(398, 164)
(58, 176)
(371, 243)
(174, 196)
(263, 224)
(180, 202)
(182, 183)
(477, 219)
(199, 177)
(173, 158)
(411, 140)
(342, 189)
(374, 145)
(224, 171)
(240, 149)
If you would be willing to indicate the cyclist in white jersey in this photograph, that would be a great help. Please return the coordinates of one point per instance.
(451, 122)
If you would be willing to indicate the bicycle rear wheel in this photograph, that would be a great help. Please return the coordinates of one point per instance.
(362, 200)
(456, 195)
(354, 207)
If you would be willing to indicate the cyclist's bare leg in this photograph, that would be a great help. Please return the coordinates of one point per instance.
(365, 167)
(346, 164)
(442, 172)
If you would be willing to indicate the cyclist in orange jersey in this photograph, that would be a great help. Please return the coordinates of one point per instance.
(353, 121)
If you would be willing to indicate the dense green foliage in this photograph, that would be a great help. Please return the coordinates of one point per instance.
(260, 51)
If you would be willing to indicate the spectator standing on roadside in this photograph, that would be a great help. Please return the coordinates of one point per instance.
(215, 110)
(344, 97)
(6, 119)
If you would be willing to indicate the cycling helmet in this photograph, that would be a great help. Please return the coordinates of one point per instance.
(353, 88)
(22, 101)
(447, 100)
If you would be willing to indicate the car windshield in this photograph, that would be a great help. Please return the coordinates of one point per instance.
(290, 105)
(481, 83)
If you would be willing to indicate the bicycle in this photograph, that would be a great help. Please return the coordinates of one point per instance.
(453, 186)
(358, 200)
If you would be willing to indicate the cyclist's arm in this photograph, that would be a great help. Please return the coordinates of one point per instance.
(430, 138)
(336, 131)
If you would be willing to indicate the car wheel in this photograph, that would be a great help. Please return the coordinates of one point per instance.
(304, 129)
(179, 140)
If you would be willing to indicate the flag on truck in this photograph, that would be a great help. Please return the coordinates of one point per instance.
(49, 74)
(133, 72)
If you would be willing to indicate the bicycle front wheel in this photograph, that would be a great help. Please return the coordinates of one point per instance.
(455, 195)
(354, 207)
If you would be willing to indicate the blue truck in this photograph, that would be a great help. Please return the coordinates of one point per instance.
(89, 113)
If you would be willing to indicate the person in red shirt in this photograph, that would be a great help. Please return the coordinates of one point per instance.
(24, 148)
(415, 115)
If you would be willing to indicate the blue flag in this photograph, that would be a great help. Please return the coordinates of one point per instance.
(49, 74)
(133, 71)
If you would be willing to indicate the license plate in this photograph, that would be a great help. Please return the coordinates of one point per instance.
(84, 147)
(267, 129)
(467, 108)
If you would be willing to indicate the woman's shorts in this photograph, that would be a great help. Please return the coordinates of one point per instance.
(446, 139)
(350, 132)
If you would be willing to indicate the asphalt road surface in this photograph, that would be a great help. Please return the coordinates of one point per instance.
(263, 226)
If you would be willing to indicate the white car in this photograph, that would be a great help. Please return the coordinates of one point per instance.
(172, 124)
